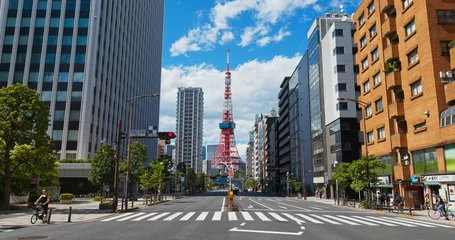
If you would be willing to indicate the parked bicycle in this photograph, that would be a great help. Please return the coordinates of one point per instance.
(38, 213)
(435, 214)
(398, 207)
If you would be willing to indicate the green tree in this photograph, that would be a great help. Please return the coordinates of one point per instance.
(102, 166)
(297, 186)
(181, 167)
(290, 184)
(153, 176)
(190, 179)
(240, 175)
(25, 146)
(250, 183)
(341, 173)
(137, 161)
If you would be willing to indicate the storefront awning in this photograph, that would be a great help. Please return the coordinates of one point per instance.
(431, 184)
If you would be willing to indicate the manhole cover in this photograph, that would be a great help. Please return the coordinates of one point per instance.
(32, 237)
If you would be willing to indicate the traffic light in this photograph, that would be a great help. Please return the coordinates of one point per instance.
(167, 136)
(231, 197)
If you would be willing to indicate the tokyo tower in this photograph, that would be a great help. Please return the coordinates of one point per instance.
(227, 154)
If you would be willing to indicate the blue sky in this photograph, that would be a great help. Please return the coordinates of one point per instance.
(266, 38)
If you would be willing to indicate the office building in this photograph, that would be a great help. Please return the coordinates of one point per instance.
(283, 136)
(190, 122)
(249, 155)
(85, 58)
(406, 78)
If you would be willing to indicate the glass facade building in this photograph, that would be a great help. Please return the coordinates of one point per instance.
(85, 58)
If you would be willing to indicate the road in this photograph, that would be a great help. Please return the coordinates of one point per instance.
(263, 217)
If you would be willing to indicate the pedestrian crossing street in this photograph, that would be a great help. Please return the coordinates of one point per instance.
(351, 220)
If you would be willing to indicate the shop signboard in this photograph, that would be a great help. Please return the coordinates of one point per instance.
(416, 179)
(439, 178)
(451, 192)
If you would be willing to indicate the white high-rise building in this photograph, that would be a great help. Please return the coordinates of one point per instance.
(190, 122)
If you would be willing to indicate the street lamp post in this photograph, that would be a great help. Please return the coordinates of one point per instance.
(128, 170)
(364, 105)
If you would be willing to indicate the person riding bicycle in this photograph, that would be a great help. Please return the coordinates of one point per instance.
(440, 205)
(44, 198)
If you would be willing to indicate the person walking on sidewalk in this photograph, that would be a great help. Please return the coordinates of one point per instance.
(107, 191)
(44, 198)
(440, 205)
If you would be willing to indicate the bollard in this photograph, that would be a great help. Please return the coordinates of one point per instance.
(410, 210)
(147, 200)
(122, 204)
(132, 203)
(49, 216)
(69, 214)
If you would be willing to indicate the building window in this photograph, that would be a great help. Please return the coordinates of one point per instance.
(11, 22)
(67, 40)
(83, 22)
(72, 135)
(76, 96)
(9, 39)
(36, 58)
(56, 5)
(57, 135)
(413, 56)
(378, 105)
(371, 8)
(48, 77)
(375, 55)
(61, 96)
(42, 5)
(18, 77)
(381, 133)
(445, 49)
(338, 50)
(342, 106)
(370, 136)
(410, 28)
(69, 22)
(449, 155)
(366, 87)
(78, 77)
(6, 57)
(63, 77)
(65, 58)
(59, 115)
(50, 58)
(373, 31)
(420, 126)
(52, 40)
(368, 111)
(363, 41)
(55, 22)
(341, 68)
(338, 32)
(75, 115)
(361, 20)
(25, 22)
(13, 4)
(40, 22)
(46, 96)
(82, 40)
(341, 87)
(425, 161)
(80, 58)
(33, 77)
(447, 116)
(377, 79)
(445, 16)
(365, 63)
(406, 3)
(4, 76)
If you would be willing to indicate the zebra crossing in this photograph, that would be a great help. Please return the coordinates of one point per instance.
(307, 218)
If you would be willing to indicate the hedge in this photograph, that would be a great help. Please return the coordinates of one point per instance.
(66, 196)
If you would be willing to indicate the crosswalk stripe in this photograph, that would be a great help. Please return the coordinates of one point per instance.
(202, 216)
(216, 216)
(232, 216)
(129, 217)
(435, 224)
(394, 222)
(113, 218)
(375, 221)
(297, 220)
(420, 223)
(278, 217)
(173, 216)
(326, 220)
(317, 208)
(187, 216)
(145, 216)
(262, 216)
(310, 219)
(358, 220)
(341, 220)
(247, 216)
(158, 216)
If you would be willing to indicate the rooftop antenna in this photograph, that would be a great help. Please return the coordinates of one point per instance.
(227, 62)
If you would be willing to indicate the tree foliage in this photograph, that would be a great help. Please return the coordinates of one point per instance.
(297, 186)
(137, 161)
(102, 166)
(240, 175)
(25, 147)
(153, 176)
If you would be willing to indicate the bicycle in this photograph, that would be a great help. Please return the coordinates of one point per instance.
(435, 214)
(398, 207)
(38, 213)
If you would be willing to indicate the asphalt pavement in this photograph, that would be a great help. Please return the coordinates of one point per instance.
(261, 217)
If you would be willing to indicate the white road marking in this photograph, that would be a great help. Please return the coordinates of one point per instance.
(417, 222)
(267, 232)
(277, 217)
(129, 217)
(261, 204)
(375, 221)
(341, 220)
(242, 224)
(316, 208)
(216, 216)
(325, 219)
(310, 219)
(187, 207)
(282, 207)
(250, 206)
(173, 216)
(187, 216)
(222, 206)
(119, 216)
(158, 216)
(358, 220)
(297, 220)
(202, 216)
(232, 216)
(262, 216)
(247, 216)
(302, 227)
(297, 207)
(145, 216)
(394, 222)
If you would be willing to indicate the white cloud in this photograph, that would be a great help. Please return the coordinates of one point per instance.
(264, 13)
(276, 38)
(317, 8)
(247, 78)
(227, 37)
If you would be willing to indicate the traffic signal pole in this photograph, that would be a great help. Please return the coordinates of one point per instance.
(116, 159)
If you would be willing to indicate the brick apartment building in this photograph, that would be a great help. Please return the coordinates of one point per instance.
(405, 75)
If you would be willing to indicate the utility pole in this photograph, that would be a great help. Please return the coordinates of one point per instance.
(116, 159)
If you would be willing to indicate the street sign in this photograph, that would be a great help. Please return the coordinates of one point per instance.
(138, 133)
(153, 131)
(229, 174)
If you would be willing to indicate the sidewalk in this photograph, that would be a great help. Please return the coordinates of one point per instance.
(415, 214)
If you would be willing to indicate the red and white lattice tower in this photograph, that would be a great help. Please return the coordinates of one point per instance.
(227, 155)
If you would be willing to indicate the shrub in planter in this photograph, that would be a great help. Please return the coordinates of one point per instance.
(98, 198)
(66, 198)
(106, 204)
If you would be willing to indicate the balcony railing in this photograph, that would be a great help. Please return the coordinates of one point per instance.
(389, 26)
(396, 109)
(401, 172)
(399, 140)
(393, 79)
